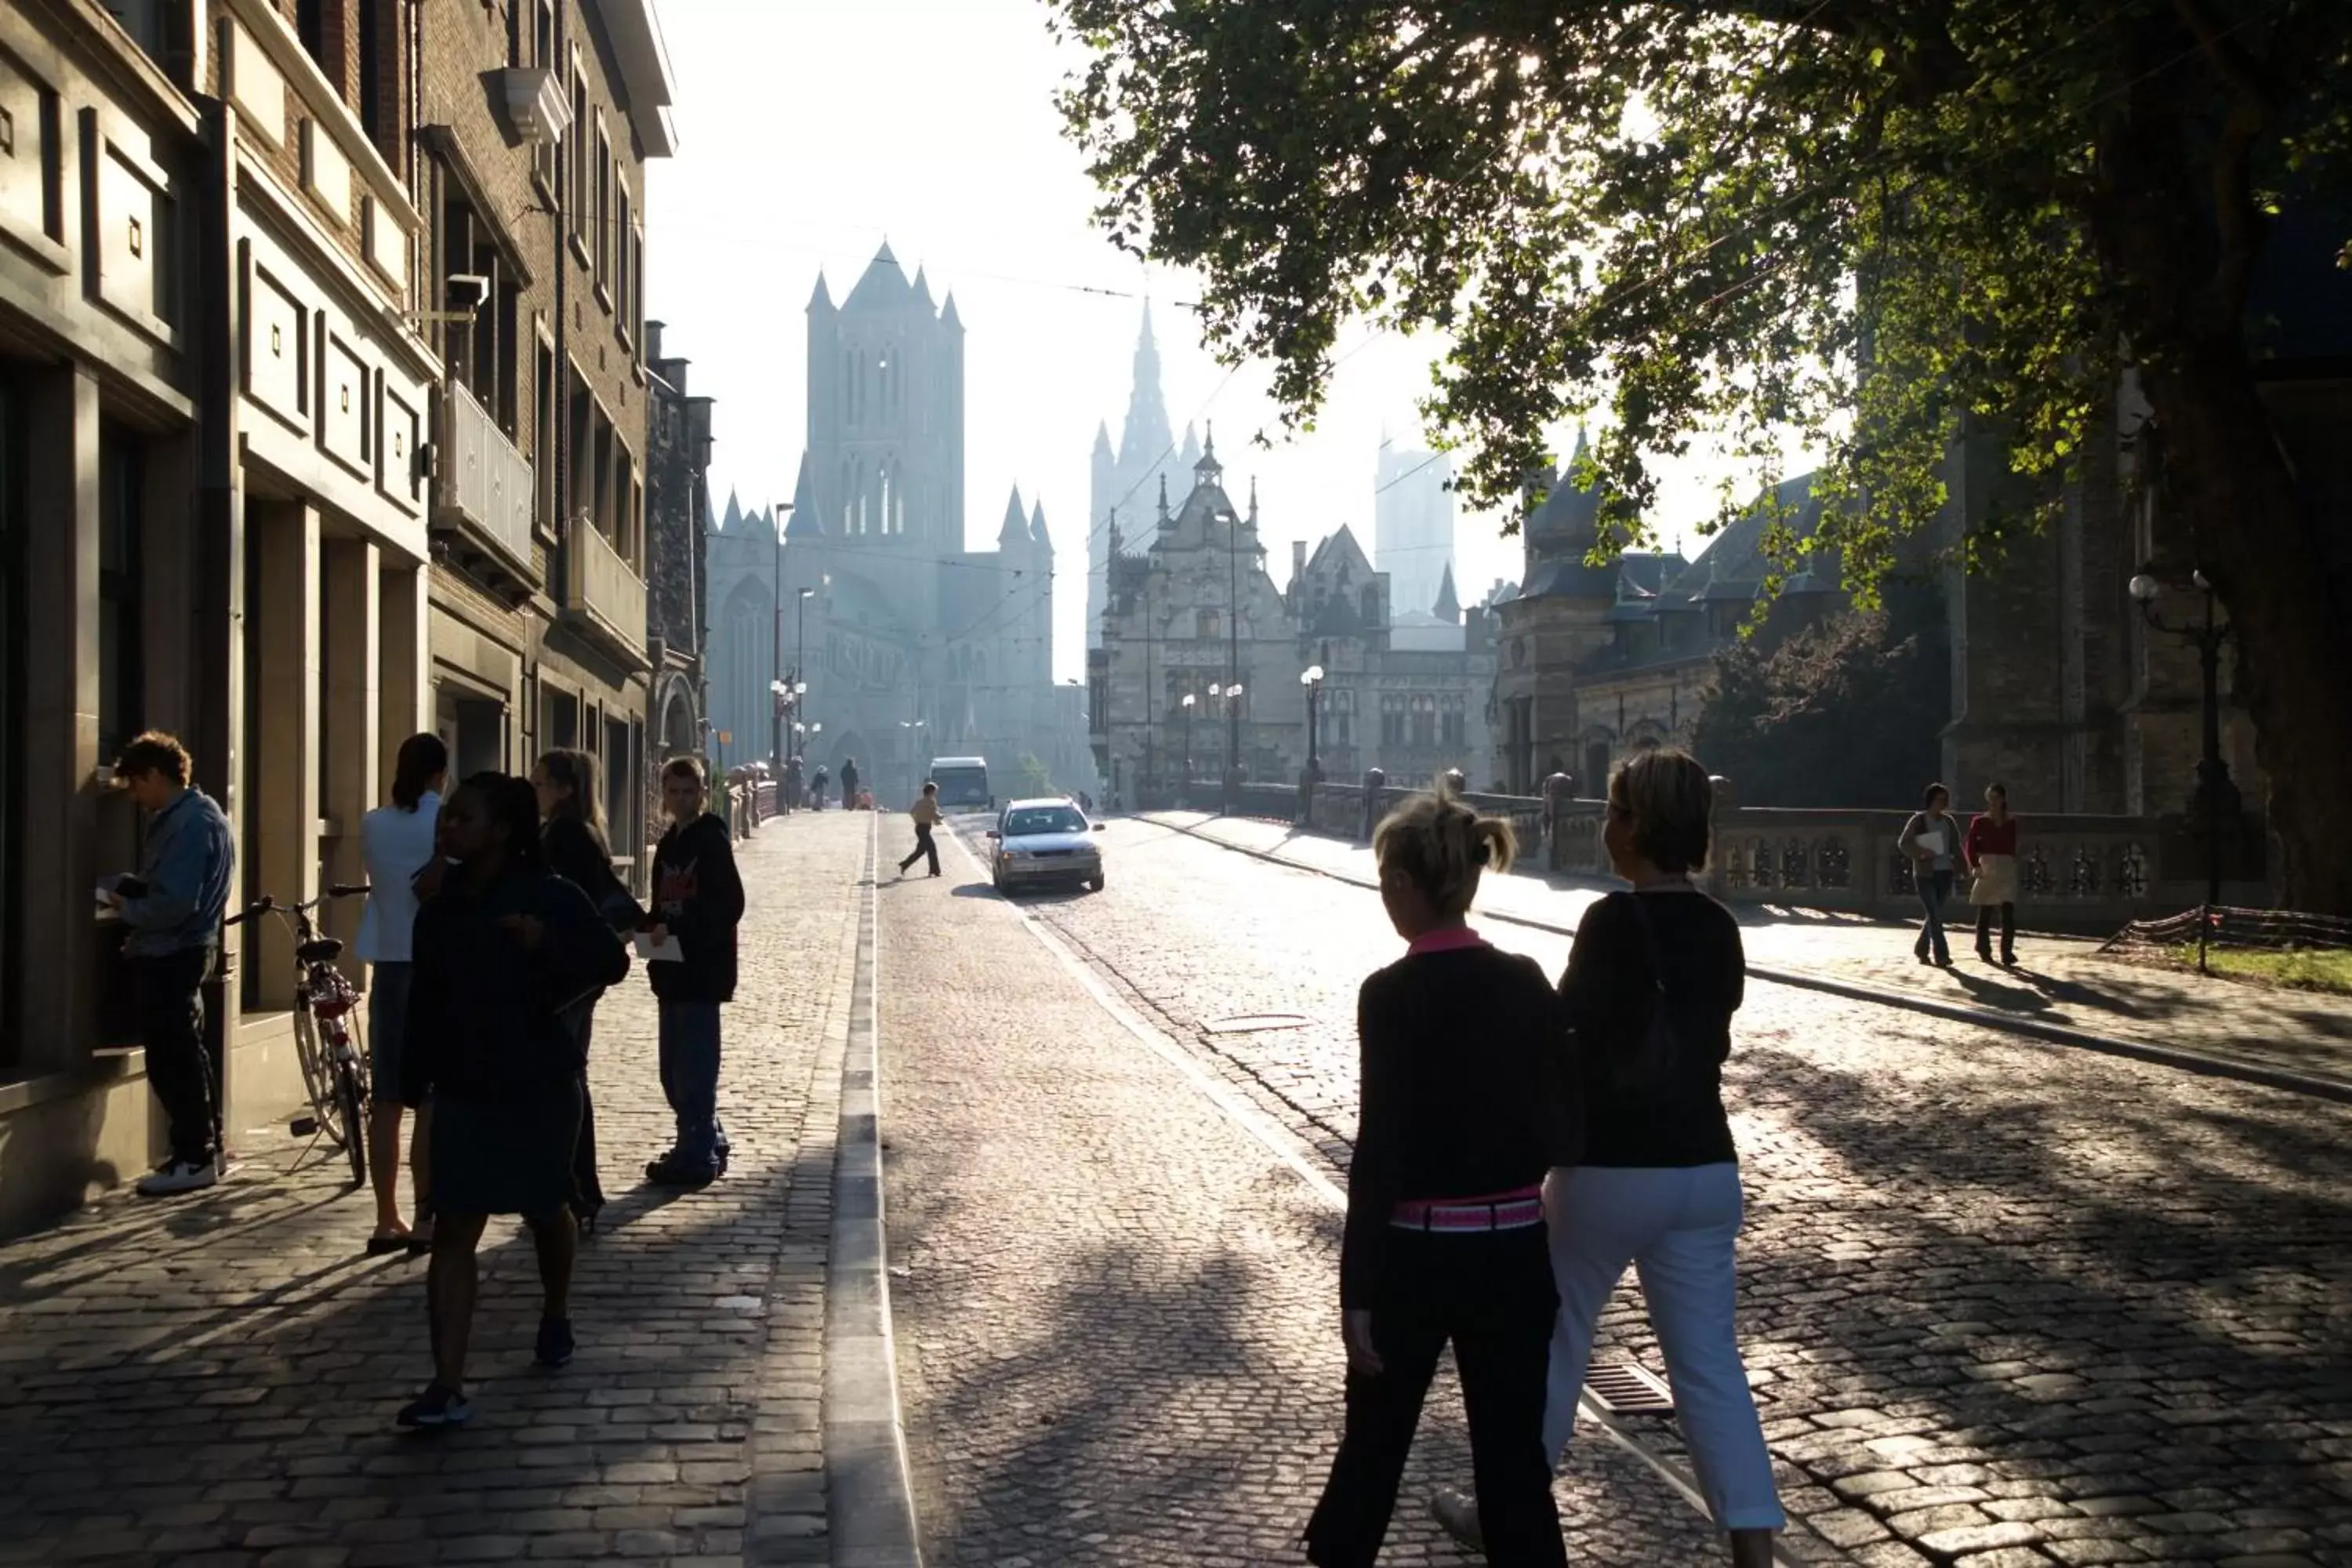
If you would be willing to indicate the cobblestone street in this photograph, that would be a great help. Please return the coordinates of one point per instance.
(2006, 1303)
(213, 1381)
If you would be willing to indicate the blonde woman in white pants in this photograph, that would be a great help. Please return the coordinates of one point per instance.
(1652, 983)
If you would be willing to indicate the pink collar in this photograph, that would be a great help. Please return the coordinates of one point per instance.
(1444, 941)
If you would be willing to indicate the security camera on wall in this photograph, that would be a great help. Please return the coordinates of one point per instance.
(468, 290)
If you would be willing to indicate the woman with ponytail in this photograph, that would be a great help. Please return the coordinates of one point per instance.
(396, 845)
(1464, 1109)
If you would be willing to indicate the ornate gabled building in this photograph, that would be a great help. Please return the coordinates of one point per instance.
(910, 645)
(1195, 613)
(1146, 460)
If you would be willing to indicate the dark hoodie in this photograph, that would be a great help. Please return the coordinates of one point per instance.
(699, 896)
(485, 1017)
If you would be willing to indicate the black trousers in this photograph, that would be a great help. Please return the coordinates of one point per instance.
(2007, 928)
(1491, 1294)
(587, 1191)
(923, 846)
(172, 1027)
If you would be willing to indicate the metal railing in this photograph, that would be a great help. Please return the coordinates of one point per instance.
(488, 482)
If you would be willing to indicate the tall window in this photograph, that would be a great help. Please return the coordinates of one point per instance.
(375, 104)
(603, 245)
(120, 686)
(311, 27)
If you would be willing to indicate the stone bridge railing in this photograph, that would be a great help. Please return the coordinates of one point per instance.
(2078, 872)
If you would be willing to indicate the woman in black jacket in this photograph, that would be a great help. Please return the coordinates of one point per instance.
(500, 952)
(572, 832)
(698, 899)
(1464, 1109)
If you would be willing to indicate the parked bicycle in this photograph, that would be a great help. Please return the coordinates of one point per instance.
(326, 1029)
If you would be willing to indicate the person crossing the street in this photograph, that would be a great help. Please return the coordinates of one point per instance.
(501, 952)
(926, 813)
(1464, 1107)
(173, 911)
(698, 901)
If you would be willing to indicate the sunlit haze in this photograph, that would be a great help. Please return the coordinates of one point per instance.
(811, 131)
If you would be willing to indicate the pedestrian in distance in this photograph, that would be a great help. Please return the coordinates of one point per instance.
(926, 813)
(849, 784)
(172, 911)
(698, 901)
(501, 953)
(1652, 981)
(1990, 852)
(816, 788)
(1464, 1105)
(396, 843)
(572, 834)
(1932, 839)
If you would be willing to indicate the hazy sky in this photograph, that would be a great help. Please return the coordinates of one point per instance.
(812, 130)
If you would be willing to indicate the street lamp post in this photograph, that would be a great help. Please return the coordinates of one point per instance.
(1187, 705)
(800, 653)
(1232, 695)
(1233, 660)
(1311, 677)
(2215, 799)
(776, 646)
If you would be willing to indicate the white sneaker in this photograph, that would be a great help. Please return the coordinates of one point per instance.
(178, 1176)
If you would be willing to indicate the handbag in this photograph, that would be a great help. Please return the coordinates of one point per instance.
(1648, 1070)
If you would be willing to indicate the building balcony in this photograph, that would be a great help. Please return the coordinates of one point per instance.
(483, 501)
(603, 596)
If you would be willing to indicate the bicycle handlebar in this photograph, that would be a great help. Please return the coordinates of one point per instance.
(268, 903)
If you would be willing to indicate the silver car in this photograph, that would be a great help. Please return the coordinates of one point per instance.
(1046, 843)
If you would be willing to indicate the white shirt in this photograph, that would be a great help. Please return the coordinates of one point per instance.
(395, 844)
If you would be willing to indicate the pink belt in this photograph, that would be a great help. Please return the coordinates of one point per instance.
(1514, 1210)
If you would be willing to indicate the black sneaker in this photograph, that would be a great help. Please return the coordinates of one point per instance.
(555, 1344)
(1457, 1512)
(673, 1170)
(438, 1406)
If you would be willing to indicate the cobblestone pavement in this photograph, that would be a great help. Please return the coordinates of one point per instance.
(2005, 1304)
(212, 1380)
(2061, 980)
(1118, 1311)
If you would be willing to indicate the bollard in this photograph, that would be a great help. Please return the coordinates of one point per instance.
(1375, 781)
(1557, 790)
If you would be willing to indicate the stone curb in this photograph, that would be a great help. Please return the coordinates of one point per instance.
(871, 1508)
(1983, 1018)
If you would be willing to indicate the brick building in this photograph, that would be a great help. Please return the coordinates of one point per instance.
(283, 287)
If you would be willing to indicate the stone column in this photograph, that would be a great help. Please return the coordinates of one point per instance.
(351, 726)
(1723, 802)
(57, 930)
(403, 685)
(281, 824)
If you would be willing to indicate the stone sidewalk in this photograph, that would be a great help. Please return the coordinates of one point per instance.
(2059, 981)
(212, 1380)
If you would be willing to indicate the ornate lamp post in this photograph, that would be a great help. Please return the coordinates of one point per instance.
(2215, 799)
(1311, 677)
(776, 644)
(800, 653)
(1232, 695)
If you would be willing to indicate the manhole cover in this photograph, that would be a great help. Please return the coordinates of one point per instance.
(1629, 1388)
(1252, 1022)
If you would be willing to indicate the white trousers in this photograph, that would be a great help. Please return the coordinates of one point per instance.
(1678, 1228)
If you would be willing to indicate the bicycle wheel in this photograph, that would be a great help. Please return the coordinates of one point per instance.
(318, 1072)
(351, 1108)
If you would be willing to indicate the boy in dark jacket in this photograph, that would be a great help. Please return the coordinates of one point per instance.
(699, 899)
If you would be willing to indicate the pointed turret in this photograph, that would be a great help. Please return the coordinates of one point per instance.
(1163, 497)
(1145, 437)
(922, 292)
(883, 288)
(733, 521)
(948, 317)
(1016, 532)
(805, 522)
(1102, 439)
(1037, 535)
(1208, 471)
(822, 299)
(1449, 606)
(1253, 511)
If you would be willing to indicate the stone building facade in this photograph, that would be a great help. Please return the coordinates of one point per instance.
(278, 289)
(1122, 480)
(911, 644)
(1196, 613)
(678, 519)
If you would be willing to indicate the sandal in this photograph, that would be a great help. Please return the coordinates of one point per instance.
(384, 1241)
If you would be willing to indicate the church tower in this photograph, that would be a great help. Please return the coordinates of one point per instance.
(886, 413)
(1123, 479)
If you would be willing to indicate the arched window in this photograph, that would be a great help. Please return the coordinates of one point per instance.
(1204, 624)
(882, 486)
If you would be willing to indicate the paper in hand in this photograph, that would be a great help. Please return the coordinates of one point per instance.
(666, 950)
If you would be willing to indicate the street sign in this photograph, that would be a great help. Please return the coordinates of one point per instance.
(726, 737)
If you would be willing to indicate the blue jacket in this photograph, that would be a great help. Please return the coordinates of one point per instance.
(190, 865)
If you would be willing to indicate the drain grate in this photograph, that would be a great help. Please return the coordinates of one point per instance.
(1629, 1388)
(1254, 1022)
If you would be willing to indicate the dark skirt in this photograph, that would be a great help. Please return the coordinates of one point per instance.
(505, 1156)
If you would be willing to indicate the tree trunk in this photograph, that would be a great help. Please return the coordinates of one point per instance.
(2232, 483)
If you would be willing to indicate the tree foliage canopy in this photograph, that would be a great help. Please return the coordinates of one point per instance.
(1713, 215)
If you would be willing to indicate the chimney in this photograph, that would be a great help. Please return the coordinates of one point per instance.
(1297, 564)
